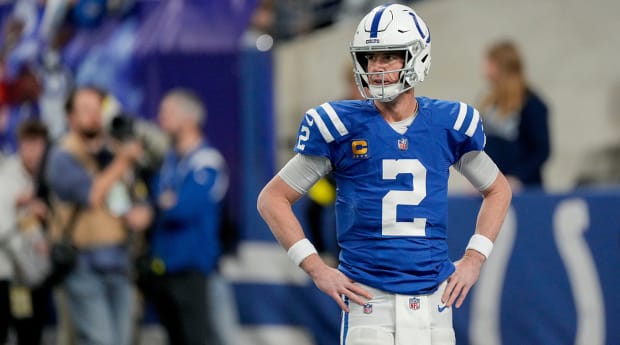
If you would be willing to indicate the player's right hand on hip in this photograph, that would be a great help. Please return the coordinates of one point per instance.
(334, 283)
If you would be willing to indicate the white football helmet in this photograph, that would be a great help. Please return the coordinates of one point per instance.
(391, 28)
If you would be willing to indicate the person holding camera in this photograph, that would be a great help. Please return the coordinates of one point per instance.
(91, 207)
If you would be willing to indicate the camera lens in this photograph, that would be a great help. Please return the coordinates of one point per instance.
(122, 128)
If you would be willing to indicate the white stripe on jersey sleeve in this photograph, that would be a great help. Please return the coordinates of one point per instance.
(473, 125)
(207, 158)
(322, 127)
(461, 117)
(210, 158)
(335, 119)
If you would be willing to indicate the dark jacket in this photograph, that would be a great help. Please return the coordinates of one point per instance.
(525, 156)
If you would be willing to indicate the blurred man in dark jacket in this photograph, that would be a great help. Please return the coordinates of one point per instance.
(185, 240)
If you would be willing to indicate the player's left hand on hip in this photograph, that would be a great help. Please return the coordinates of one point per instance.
(463, 278)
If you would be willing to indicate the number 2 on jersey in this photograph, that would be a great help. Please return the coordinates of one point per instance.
(391, 169)
(303, 137)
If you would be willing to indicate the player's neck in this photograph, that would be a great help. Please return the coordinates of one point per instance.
(403, 107)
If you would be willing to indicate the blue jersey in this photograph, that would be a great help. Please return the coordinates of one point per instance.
(391, 206)
(186, 234)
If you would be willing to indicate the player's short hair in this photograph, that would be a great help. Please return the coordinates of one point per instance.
(70, 101)
(190, 103)
(32, 129)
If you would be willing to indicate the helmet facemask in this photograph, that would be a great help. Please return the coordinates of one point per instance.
(409, 77)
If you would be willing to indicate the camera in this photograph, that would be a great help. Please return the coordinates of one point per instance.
(123, 128)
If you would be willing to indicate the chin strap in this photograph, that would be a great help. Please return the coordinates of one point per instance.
(386, 93)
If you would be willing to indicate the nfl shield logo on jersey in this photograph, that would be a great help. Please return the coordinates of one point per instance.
(367, 308)
(414, 303)
(403, 144)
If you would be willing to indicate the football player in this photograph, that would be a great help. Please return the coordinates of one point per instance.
(390, 155)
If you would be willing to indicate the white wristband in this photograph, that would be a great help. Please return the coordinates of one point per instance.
(301, 250)
(481, 244)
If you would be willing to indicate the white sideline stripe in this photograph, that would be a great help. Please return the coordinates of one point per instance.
(262, 263)
(335, 119)
(273, 335)
(474, 124)
(322, 127)
(461, 117)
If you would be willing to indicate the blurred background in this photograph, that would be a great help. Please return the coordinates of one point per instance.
(258, 65)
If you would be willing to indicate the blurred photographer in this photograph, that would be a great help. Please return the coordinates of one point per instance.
(92, 208)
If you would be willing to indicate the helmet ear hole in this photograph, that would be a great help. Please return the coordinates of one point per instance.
(424, 58)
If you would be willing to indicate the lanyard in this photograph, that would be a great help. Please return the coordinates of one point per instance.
(175, 169)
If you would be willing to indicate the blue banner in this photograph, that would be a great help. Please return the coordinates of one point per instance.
(553, 276)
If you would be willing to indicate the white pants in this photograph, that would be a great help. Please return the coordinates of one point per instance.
(390, 319)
